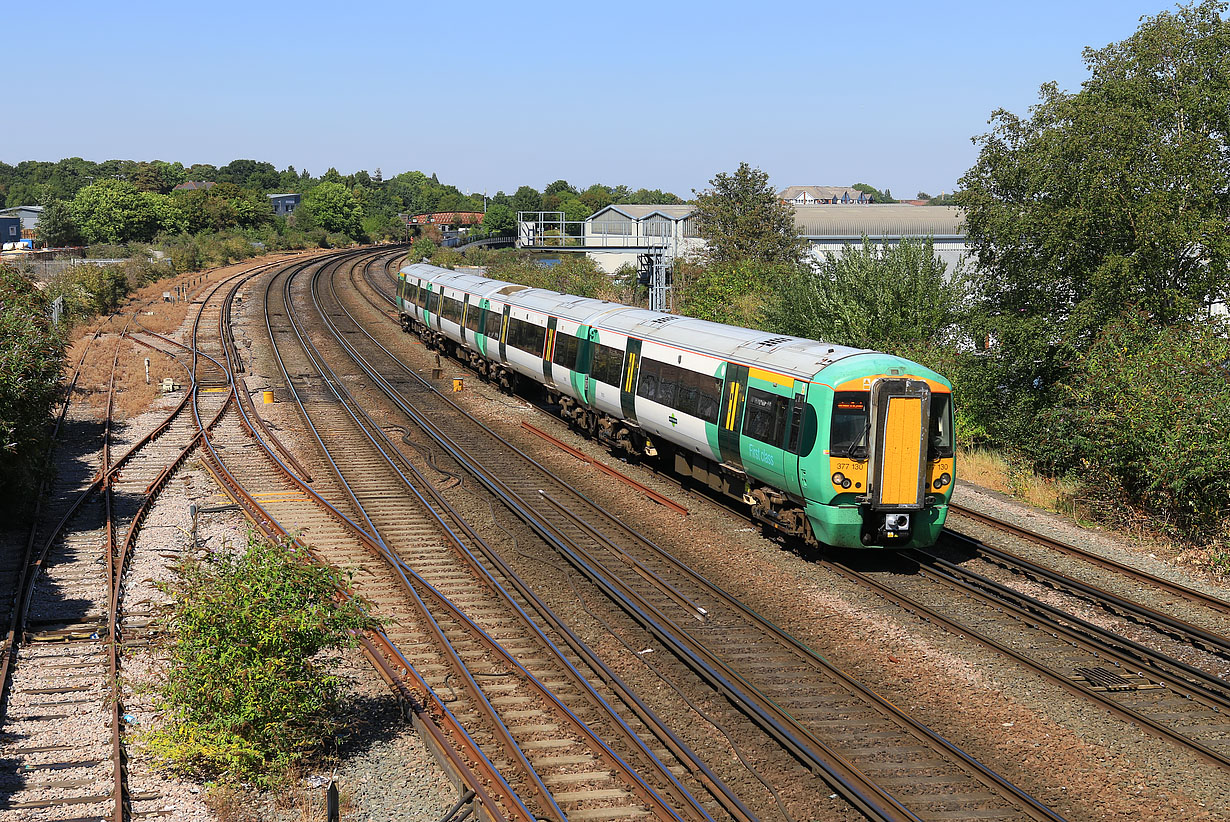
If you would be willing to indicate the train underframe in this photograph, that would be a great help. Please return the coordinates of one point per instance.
(769, 506)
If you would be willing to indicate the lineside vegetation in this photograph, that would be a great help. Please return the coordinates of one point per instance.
(250, 690)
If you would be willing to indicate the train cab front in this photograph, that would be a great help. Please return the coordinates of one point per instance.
(890, 463)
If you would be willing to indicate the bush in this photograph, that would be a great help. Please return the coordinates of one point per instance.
(1146, 417)
(247, 692)
(31, 359)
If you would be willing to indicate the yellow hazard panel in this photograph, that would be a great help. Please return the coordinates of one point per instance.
(770, 376)
(902, 451)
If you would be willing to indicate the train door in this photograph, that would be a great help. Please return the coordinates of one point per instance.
(548, 352)
(466, 308)
(504, 334)
(627, 383)
(730, 418)
(797, 435)
(480, 336)
(900, 411)
(591, 385)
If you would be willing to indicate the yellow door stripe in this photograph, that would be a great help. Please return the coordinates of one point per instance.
(631, 371)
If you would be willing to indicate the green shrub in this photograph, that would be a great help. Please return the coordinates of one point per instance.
(31, 359)
(249, 691)
(1145, 417)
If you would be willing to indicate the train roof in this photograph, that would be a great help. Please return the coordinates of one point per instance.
(780, 353)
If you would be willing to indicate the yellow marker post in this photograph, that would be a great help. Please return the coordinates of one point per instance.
(268, 397)
(459, 383)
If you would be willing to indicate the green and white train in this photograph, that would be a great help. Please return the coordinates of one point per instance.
(833, 445)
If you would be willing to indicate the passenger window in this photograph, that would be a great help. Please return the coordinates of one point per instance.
(765, 417)
(647, 387)
(566, 351)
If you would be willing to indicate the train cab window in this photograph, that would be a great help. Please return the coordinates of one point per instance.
(765, 417)
(566, 351)
(851, 424)
(939, 436)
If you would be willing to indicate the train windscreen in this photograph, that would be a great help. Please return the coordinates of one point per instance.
(940, 434)
(851, 424)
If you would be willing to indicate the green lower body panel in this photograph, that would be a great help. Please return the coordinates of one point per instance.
(842, 525)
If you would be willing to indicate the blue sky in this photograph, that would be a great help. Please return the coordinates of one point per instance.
(495, 95)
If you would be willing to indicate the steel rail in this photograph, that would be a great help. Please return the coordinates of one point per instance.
(931, 614)
(721, 792)
(374, 432)
(1210, 690)
(1194, 634)
(16, 625)
(334, 385)
(487, 774)
(1192, 594)
(859, 790)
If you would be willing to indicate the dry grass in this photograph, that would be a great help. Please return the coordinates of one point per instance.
(990, 469)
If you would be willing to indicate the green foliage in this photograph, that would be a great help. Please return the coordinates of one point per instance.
(224, 206)
(741, 219)
(735, 292)
(115, 211)
(247, 692)
(877, 196)
(1115, 195)
(333, 207)
(56, 228)
(89, 289)
(421, 249)
(31, 359)
(1146, 417)
(499, 219)
(574, 274)
(887, 298)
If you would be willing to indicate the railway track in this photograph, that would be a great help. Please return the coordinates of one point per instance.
(568, 749)
(842, 732)
(62, 703)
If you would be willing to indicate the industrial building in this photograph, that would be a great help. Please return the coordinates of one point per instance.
(284, 205)
(29, 220)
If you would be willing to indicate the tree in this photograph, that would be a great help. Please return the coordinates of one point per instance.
(332, 207)
(923, 196)
(56, 228)
(526, 198)
(741, 219)
(1115, 195)
(877, 196)
(596, 197)
(499, 219)
(892, 298)
(114, 211)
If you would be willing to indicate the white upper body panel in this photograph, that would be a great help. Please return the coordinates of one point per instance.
(791, 356)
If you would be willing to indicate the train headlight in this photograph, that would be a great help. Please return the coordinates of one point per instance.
(941, 481)
(839, 479)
